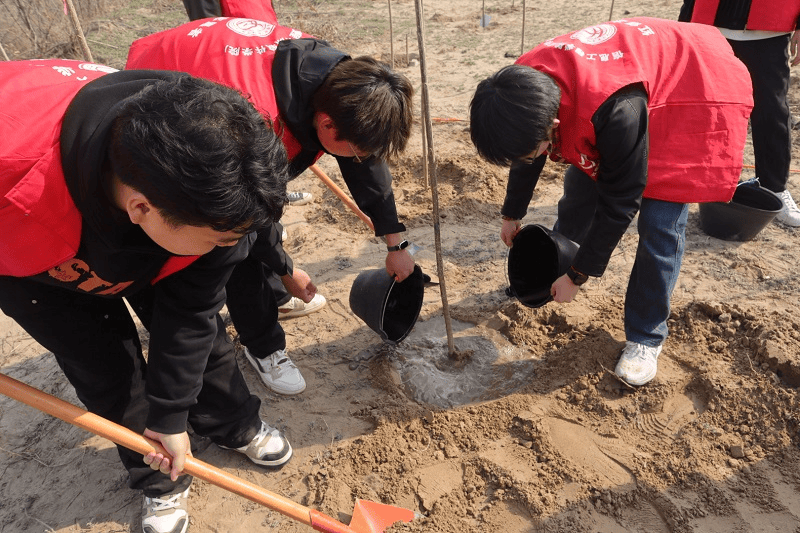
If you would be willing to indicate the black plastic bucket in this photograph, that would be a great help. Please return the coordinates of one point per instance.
(389, 308)
(538, 257)
(749, 211)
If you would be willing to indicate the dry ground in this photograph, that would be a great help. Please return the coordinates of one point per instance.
(530, 432)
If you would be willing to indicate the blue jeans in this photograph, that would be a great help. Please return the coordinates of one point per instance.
(662, 239)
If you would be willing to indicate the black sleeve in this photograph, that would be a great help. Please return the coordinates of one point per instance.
(268, 249)
(522, 180)
(370, 183)
(202, 9)
(182, 332)
(620, 125)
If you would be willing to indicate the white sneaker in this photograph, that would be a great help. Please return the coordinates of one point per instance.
(790, 214)
(638, 363)
(298, 198)
(278, 372)
(166, 514)
(296, 307)
(268, 447)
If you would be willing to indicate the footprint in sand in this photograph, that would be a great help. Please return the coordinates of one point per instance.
(675, 413)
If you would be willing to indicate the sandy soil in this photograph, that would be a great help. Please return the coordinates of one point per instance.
(529, 431)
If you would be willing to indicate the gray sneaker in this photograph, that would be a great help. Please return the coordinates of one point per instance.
(638, 363)
(790, 214)
(268, 447)
(166, 514)
(298, 197)
(278, 372)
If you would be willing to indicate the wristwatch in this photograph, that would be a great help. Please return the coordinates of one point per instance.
(578, 278)
(402, 246)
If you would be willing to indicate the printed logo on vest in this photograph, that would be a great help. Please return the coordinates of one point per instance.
(250, 27)
(97, 68)
(594, 35)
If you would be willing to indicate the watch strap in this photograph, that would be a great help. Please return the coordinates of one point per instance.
(578, 278)
(403, 245)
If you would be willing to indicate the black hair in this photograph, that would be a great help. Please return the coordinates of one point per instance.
(370, 105)
(511, 112)
(201, 154)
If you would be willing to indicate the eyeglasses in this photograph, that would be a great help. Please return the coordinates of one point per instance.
(355, 155)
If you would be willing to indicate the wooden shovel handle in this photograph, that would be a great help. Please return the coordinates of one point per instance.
(124, 437)
(342, 195)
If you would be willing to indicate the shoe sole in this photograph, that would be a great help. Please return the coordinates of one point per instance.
(277, 462)
(636, 384)
(285, 392)
(787, 224)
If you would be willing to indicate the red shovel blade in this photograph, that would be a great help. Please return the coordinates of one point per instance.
(374, 517)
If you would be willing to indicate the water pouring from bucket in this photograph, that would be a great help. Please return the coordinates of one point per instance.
(538, 257)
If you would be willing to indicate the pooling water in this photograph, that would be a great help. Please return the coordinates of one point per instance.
(488, 367)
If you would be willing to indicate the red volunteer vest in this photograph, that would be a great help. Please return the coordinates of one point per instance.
(40, 226)
(767, 15)
(236, 52)
(697, 125)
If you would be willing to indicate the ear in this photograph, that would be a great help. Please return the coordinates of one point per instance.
(323, 120)
(556, 122)
(137, 206)
(325, 127)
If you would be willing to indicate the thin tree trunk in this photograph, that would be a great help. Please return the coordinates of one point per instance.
(76, 23)
(522, 44)
(426, 116)
(391, 34)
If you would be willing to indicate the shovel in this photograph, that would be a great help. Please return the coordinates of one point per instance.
(368, 517)
(412, 248)
(342, 195)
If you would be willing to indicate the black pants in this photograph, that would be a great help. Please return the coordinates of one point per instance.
(768, 63)
(201, 9)
(96, 344)
(253, 308)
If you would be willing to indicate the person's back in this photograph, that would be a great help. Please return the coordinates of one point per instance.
(679, 66)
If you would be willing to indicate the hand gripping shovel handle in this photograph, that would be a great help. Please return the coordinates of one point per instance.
(133, 441)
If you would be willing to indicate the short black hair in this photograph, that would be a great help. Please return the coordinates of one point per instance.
(511, 112)
(370, 104)
(201, 154)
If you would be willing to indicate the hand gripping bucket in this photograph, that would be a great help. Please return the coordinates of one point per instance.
(539, 257)
(749, 211)
(389, 308)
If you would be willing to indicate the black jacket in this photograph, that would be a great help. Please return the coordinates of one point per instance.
(119, 253)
